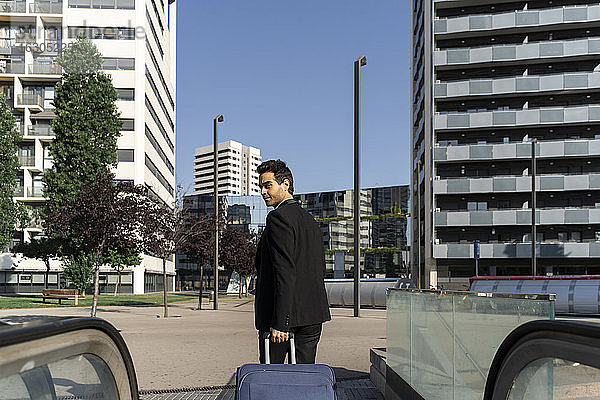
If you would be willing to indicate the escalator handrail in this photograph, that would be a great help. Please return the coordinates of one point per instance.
(561, 330)
(38, 330)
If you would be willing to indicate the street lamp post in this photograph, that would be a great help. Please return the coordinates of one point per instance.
(360, 62)
(218, 118)
(533, 207)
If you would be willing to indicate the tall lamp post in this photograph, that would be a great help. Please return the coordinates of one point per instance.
(533, 207)
(218, 118)
(360, 62)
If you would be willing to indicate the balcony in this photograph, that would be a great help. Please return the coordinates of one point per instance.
(507, 184)
(40, 130)
(524, 117)
(517, 19)
(505, 151)
(12, 67)
(12, 6)
(521, 84)
(26, 161)
(19, 191)
(30, 100)
(46, 8)
(45, 69)
(518, 52)
(518, 250)
(557, 216)
(35, 192)
(25, 38)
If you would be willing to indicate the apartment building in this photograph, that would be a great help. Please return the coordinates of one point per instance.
(487, 79)
(137, 39)
(383, 227)
(237, 169)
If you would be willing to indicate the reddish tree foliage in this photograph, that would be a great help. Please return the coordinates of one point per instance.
(238, 252)
(102, 215)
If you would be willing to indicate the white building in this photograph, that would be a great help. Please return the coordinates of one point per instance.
(137, 40)
(237, 169)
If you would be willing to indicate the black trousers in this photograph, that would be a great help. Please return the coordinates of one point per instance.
(306, 339)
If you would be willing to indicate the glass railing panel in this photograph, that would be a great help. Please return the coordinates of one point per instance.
(432, 360)
(452, 337)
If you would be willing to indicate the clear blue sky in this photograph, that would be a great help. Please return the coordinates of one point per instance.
(281, 73)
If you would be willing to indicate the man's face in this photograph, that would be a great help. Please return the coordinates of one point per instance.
(272, 192)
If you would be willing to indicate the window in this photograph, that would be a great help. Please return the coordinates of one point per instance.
(503, 203)
(506, 140)
(126, 94)
(575, 237)
(94, 32)
(160, 75)
(477, 206)
(162, 53)
(158, 123)
(104, 4)
(118, 64)
(159, 97)
(128, 124)
(597, 234)
(125, 155)
(562, 236)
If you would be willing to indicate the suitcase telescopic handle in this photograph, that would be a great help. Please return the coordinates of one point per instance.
(267, 339)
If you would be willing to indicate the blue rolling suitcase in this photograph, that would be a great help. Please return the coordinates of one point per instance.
(284, 381)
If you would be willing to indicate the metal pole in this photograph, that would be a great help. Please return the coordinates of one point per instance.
(360, 62)
(533, 207)
(419, 224)
(217, 119)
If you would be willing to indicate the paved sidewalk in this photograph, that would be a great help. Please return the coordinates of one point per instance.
(355, 389)
(199, 348)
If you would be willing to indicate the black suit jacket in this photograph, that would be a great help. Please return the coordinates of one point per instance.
(290, 268)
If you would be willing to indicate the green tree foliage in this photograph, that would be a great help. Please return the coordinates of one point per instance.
(86, 125)
(79, 270)
(43, 249)
(82, 57)
(9, 165)
(119, 258)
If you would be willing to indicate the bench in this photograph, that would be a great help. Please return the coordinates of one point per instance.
(61, 294)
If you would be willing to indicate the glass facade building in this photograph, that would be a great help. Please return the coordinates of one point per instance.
(248, 213)
(382, 232)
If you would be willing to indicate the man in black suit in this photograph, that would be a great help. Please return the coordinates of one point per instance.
(290, 267)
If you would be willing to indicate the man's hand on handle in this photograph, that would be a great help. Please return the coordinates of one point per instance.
(278, 336)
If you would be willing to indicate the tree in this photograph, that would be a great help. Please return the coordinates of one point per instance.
(238, 252)
(103, 215)
(167, 230)
(201, 246)
(86, 125)
(85, 152)
(43, 249)
(118, 258)
(9, 166)
(79, 269)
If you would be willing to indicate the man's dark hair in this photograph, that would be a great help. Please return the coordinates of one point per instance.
(279, 169)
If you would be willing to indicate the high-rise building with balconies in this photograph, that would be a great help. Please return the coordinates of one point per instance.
(487, 78)
(237, 169)
(137, 40)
